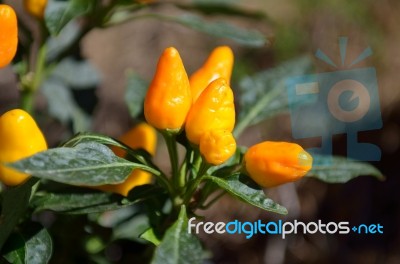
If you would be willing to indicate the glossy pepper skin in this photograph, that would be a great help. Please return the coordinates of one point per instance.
(141, 136)
(35, 7)
(213, 110)
(217, 146)
(273, 163)
(20, 137)
(8, 35)
(218, 65)
(168, 98)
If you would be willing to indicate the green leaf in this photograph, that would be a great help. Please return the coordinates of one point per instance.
(14, 203)
(178, 245)
(264, 95)
(77, 74)
(38, 248)
(135, 93)
(221, 8)
(86, 137)
(340, 169)
(132, 229)
(87, 164)
(56, 45)
(150, 236)
(243, 188)
(33, 246)
(85, 203)
(58, 13)
(14, 250)
(242, 36)
(247, 37)
(58, 94)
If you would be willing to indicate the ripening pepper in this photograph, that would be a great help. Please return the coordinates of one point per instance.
(213, 110)
(273, 163)
(218, 65)
(20, 137)
(35, 8)
(8, 35)
(168, 98)
(217, 146)
(141, 136)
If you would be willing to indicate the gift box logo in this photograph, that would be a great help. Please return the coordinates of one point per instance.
(339, 102)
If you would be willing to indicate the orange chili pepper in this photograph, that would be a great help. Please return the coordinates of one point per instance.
(168, 99)
(213, 110)
(273, 163)
(217, 146)
(218, 65)
(8, 35)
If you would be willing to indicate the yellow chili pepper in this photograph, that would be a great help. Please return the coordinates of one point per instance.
(217, 146)
(168, 99)
(141, 136)
(218, 65)
(35, 7)
(20, 137)
(8, 35)
(213, 110)
(273, 163)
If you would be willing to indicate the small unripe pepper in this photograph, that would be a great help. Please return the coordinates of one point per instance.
(213, 110)
(35, 7)
(218, 65)
(273, 163)
(20, 137)
(141, 136)
(168, 99)
(8, 35)
(217, 146)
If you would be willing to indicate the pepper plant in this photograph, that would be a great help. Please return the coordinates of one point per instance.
(93, 174)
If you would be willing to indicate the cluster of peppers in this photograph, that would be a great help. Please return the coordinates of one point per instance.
(200, 107)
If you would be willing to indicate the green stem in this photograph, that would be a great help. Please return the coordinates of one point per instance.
(203, 168)
(194, 184)
(170, 140)
(27, 99)
(258, 107)
(163, 180)
(216, 198)
(39, 68)
(191, 189)
(30, 88)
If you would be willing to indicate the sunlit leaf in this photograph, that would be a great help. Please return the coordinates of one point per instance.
(178, 246)
(33, 246)
(59, 13)
(243, 188)
(85, 203)
(87, 164)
